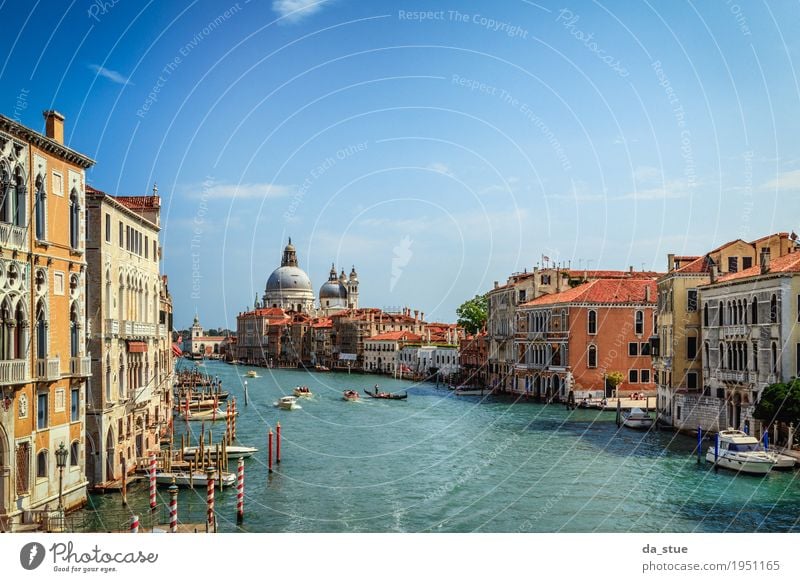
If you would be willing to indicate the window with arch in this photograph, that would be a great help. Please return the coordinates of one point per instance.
(754, 311)
(774, 358)
(705, 314)
(41, 329)
(74, 459)
(720, 314)
(74, 336)
(40, 208)
(638, 322)
(592, 319)
(74, 219)
(592, 357)
(41, 464)
(773, 309)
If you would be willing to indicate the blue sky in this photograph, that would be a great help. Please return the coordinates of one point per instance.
(437, 154)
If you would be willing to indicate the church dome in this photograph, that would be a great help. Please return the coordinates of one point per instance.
(332, 290)
(288, 278)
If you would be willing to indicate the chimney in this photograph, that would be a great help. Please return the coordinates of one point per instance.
(670, 262)
(630, 269)
(54, 125)
(422, 316)
(496, 284)
(647, 293)
(714, 273)
(765, 256)
(416, 314)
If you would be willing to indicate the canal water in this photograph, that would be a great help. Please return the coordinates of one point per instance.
(440, 463)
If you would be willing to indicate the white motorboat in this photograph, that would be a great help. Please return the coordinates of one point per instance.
(288, 403)
(740, 452)
(782, 462)
(251, 374)
(212, 415)
(233, 451)
(196, 479)
(303, 392)
(470, 391)
(637, 418)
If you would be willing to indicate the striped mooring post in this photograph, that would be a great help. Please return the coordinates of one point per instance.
(278, 443)
(134, 524)
(153, 482)
(269, 451)
(173, 508)
(240, 491)
(210, 522)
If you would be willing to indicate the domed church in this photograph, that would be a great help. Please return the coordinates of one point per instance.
(289, 288)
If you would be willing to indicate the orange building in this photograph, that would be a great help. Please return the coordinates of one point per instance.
(43, 360)
(570, 341)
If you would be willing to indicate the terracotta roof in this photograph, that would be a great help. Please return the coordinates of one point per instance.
(602, 291)
(699, 265)
(269, 313)
(139, 202)
(786, 264)
(777, 234)
(601, 274)
(395, 335)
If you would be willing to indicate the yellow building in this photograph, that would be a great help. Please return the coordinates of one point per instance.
(43, 361)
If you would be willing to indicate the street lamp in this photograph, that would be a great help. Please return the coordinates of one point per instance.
(61, 462)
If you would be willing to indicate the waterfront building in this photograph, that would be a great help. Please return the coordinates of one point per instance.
(473, 359)
(320, 332)
(570, 341)
(683, 398)
(259, 333)
(129, 405)
(750, 338)
(44, 364)
(351, 328)
(381, 351)
(205, 346)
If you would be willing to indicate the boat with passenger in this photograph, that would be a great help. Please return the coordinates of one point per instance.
(287, 403)
(385, 395)
(303, 392)
(350, 395)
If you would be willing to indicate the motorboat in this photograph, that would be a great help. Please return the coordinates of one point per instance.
(287, 403)
(233, 452)
(213, 414)
(251, 374)
(637, 418)
(740, 452)
(303, 392)
(470, 391)
(782, 462)
(196, 479)
(350, 395)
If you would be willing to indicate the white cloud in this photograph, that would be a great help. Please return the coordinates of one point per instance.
(784, 181)
(440, 168)
(113, 76)
(296, 10)
(251, 190)
(646, 174)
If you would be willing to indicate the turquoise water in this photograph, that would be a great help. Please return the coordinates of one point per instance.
(439, 463)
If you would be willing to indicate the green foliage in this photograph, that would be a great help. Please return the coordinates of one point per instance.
(779, 402)
(614, 379)
(472, 314)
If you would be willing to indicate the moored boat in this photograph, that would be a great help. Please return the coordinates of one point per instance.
(232, 451)
(638, 419)
(782, 462)
(350, 395)
(740, 452)
(212, 415)
(196, 479)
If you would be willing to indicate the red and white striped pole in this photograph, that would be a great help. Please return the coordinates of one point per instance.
(210, 522)
(134, 524)
(278, 443)
(214, 414)
(173, 508)
(240, 491)
(269, 448)
(233, 421)
(152, 482)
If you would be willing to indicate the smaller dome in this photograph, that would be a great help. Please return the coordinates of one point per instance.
(332, 290)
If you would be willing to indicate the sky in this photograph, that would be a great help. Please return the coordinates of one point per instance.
(438, 147)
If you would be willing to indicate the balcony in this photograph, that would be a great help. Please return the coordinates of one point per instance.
(734, 331)
(12, 237)
(137, 329)
(162, 330)
(13, 372)
(112, 327)
(48, 369)
(740, 377)
(81, 366)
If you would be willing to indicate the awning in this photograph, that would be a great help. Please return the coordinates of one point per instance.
(137, 347)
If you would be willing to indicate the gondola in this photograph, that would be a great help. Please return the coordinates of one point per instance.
(386, 395)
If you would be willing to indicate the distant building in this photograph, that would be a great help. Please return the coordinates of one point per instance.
(204, 346)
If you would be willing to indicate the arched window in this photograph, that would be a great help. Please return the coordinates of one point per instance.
(41, 463)
(754, 311)
(41, 330)
(773, 309)
(705, 314)
(74, 338)
(638, 321)
(721, 356)
(73, 454)
(707, 352)
(774, 357)
(592, 322)
(563, 320)
(40, 208)
(592, 356)
(74, 219)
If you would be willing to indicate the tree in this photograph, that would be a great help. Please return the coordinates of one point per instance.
(779, 402)
(472, 314)
(614, 379)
